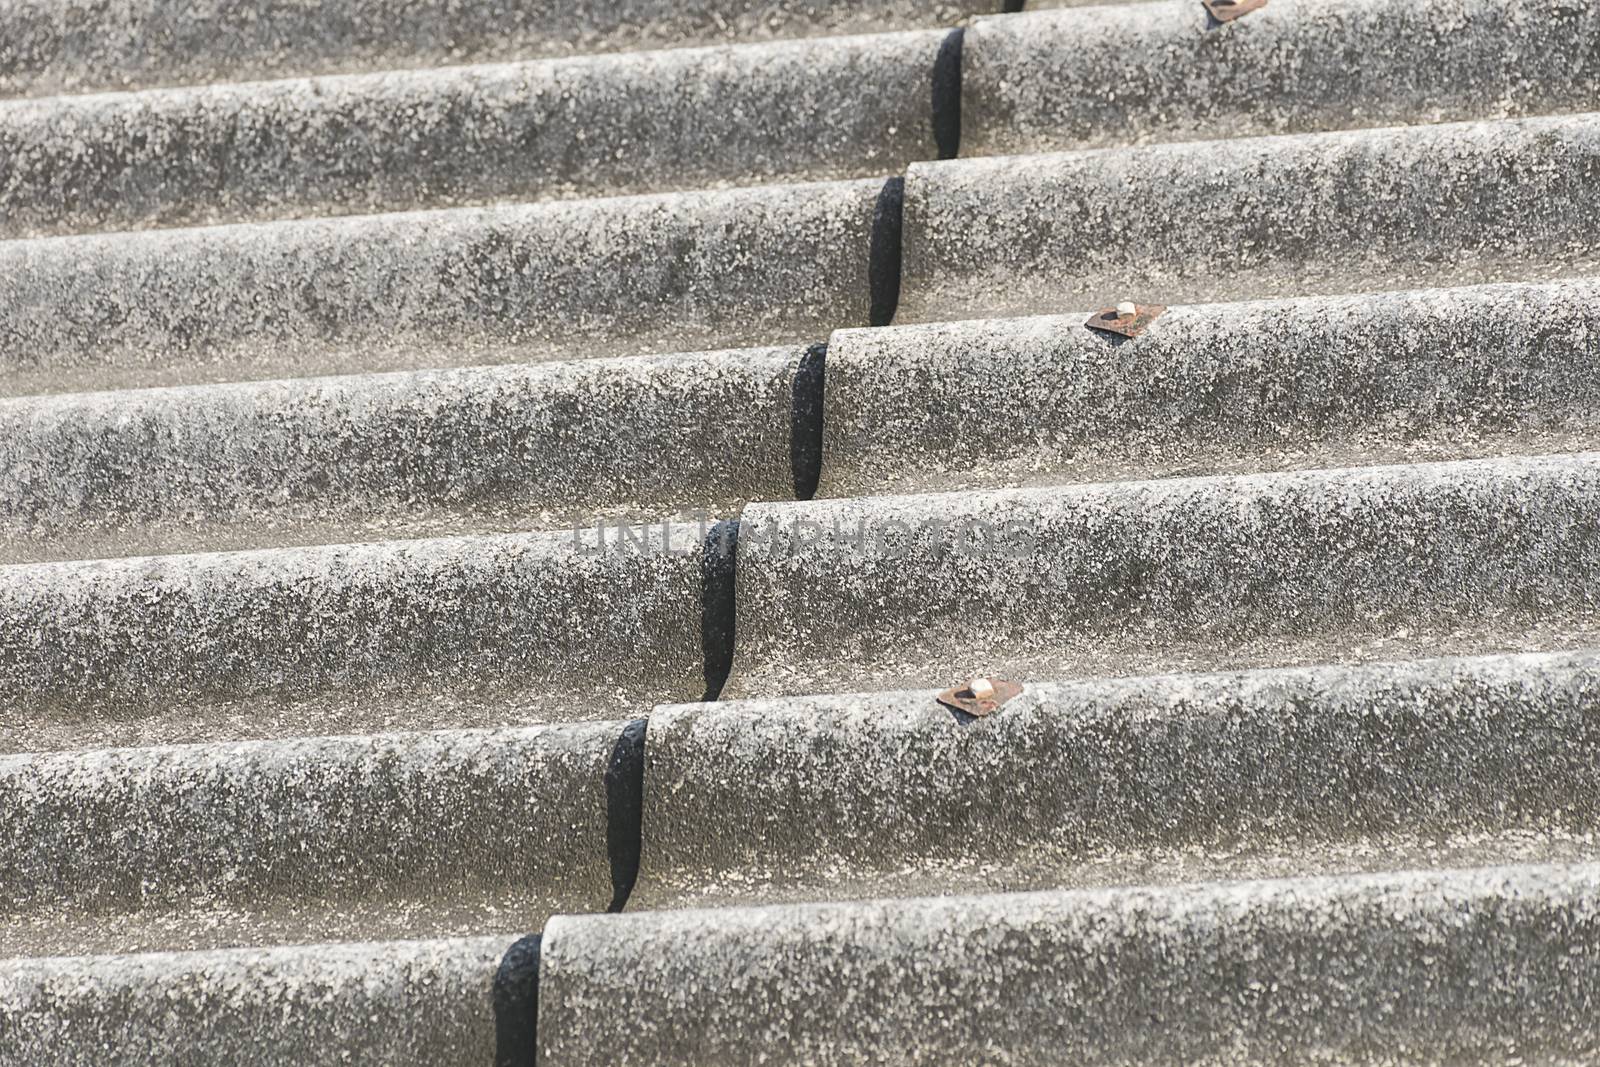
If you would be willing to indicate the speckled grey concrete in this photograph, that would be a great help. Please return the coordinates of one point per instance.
(668, 273)
(1429, 374)
(1168, 72)
(919, 592)
(406, 454)
(82, 45)
(643, 122)
(475, 631)
(1467, 967)
(510, 823)
(1250, 218)
(821, 796)
(403, 1002)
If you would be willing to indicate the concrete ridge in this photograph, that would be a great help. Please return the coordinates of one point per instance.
(1251, 218)
(309, 836)
(572, 279)
(444, 632)
(1194, 573)
(830, 108)
(405, 454)
(82, 46)
(1127, 74)
(1375, 378)
(1471, 966)
(465, 1000)
(1177, 777)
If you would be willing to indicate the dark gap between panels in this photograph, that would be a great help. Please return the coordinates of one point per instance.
(624, 781)
(805, 421)
(947, 95)
(719, 556)
(516, 1005)
(883, 253)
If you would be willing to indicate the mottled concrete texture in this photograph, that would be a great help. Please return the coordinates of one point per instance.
(1244, 219)
(1429, 374)
(1466, 967)
(404, 454)
(923, 591)
(403, 1002)
(101, 846)
(668, 273)
(1168, 72)
(644, 122)
(54, 46)
(393, 635)
(1071, 782)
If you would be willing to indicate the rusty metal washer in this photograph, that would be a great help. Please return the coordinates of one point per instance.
(961, 697)
(1228, 10)
(1111, 321)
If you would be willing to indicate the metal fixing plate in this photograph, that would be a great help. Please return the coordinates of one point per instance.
(1228, 10)
(962, 697)
(1112, 320)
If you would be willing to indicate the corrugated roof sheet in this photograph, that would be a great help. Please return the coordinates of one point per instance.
(467, 470)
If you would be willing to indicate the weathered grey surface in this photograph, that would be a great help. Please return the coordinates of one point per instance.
(412, 1002)
(1132, 73)
(406, 454)
(1466, 967)
(668, 273)
(1429, 374)
(642, 122)
(824, 797)
(1135, 577)
(108, 849)
(1251, 218)
(472, 631)
(1376, 853)
(53, 46)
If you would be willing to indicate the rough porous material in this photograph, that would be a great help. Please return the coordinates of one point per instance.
(1245, 219)
(405, 454)
(337, 777)
(507, 826)
(825, 796)
(643, 122)
(668, 273)
(1170, 72)
(1389, 377)
(471, 631)
(402, 1002)
(1328, 565)
(54, 46)
(1478, 966)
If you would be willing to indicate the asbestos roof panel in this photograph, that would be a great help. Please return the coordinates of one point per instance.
(1361, 379)
(1124, 781)
(379, 835)
(845, 107)
(423, 1001)
(469, 631)
(1251, 218)
(1131, 74)
(1174, 574)
(606, 277)
(1461, 962)
(387, 456)
(84, 45)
